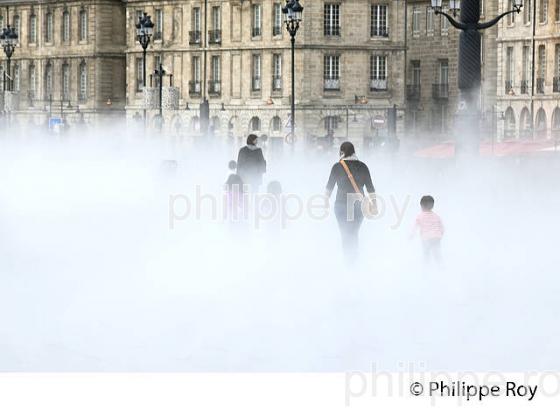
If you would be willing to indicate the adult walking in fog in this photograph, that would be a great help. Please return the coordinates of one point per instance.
(251, 165)
(351, 175)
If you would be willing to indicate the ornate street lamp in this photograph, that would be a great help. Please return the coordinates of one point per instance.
(144, 31)
(8, 41)
(293, 15)
(469, 78)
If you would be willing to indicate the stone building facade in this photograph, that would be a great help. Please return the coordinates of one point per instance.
(349, 64)
(529, 72)
(432, 58)
(69, 64)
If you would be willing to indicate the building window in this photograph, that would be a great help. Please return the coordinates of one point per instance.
(196, 18)
(83, 26)
(443, 72)
(444, 26)
(257, 20)
(482, 8)
(277, 72)
(82, 74)
(17, 25)
(378, 73)
(332, 20)
(1, 21)
(430, 21)
(526, 70)
(277, 124)
(379, 20)
(32, 82)
(331, 72)
(256, 80)
(139, 74)
(331, 122)
(511, 16)
(416, 20)
(196, 69)
(277, 19)
(48, 81)
(255, 124)
(557, 11)
(16, 76)
(215, 75)
(65, 81)
(509, 70)
(33, 29)
(65, 26)
(49, 27)
(158, 25)
(216, 18)
(527, 11)
(543, 11)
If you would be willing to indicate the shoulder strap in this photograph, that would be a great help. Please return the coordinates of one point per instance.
(350, 176)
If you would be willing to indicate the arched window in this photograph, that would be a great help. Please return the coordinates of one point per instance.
(32, 28)
(525, 124)
(540, 124)
(83, 77)
(509, 124)
(556, 122)
(255, 124)
(276, 124)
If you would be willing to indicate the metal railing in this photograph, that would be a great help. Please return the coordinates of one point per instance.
(540, 85)
(379, 32)
(194, 88)
(379, 84)
(413, 92)
(256, 84)
(524, 87)
(215, 36)
(508, 86)
(256, 32)
(440, 91)
(214, 87)
(332, 84)
(194, 37)
(276, 83)
(332, 30)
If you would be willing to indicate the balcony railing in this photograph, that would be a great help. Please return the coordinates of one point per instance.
(276, 83)
(524, 87)
(194, 37)
(413, 92)
(556, 85)
(214, 87)
(194, 88)
(332, 30)
(379, 84)
(215, 36)
(540, 85)
(256, 84)
(332, 84)
(440, 91)
(508, 86)
(256, 32)
(379, 32)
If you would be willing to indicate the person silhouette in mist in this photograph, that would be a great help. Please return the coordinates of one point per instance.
(251, 165)
(350, 175)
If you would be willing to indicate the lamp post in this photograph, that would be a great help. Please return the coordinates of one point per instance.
(160, 72)
(8, 41)
(293, 13)
(469, 77)
(144, 31)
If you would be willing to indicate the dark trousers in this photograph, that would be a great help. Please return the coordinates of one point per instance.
(349, 226)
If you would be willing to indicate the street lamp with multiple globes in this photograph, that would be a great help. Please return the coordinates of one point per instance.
(469, 76)
(8, 41)
(144, 31)
(293, 14)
